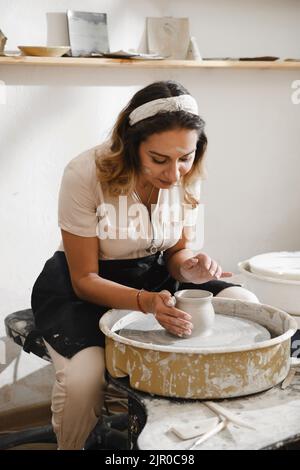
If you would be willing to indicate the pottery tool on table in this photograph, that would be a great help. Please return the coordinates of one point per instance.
(221, 425)
(207, 428)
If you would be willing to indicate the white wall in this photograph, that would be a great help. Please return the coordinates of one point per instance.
(52, 114)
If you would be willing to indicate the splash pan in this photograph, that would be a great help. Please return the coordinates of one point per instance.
(247, 352)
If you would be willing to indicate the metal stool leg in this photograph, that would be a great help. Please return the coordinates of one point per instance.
(40, 434)
(111, 432)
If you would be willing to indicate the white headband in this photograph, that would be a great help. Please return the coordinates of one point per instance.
(174, 103)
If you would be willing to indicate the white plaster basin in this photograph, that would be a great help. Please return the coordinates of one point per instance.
(282, 293)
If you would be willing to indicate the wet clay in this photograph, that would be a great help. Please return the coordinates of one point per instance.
(226, 331)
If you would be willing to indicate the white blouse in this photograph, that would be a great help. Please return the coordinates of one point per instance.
(122, 224)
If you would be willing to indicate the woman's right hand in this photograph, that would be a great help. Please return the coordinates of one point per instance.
(162, 305)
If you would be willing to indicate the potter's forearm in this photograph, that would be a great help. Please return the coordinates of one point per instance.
(104, 292)
(175, 261)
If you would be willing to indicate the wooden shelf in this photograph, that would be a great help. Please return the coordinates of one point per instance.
(161, 64)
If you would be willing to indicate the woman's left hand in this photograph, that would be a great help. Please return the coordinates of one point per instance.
(201, 268)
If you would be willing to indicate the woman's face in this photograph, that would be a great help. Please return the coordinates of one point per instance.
(167, 156)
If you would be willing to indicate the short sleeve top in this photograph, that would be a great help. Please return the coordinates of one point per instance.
(123, 225)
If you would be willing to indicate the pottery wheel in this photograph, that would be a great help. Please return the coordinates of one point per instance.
(227, 331)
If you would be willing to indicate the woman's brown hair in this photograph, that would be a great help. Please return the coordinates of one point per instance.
(119, 166)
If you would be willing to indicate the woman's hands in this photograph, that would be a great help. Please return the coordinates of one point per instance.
(201, 268)
(161, 304)
(198, 269)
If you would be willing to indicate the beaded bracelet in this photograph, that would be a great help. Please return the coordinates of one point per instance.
(138, 301)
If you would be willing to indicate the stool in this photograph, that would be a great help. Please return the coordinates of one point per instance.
(108, 433)
(18, 326)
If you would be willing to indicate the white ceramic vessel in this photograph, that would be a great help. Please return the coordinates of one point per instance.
(280, 293)
(282, 265)
(198, 304)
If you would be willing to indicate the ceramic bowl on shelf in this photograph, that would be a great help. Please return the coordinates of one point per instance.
(278, 292)
(44, 51)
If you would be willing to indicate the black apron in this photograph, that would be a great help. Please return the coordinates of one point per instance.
(70, 324)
